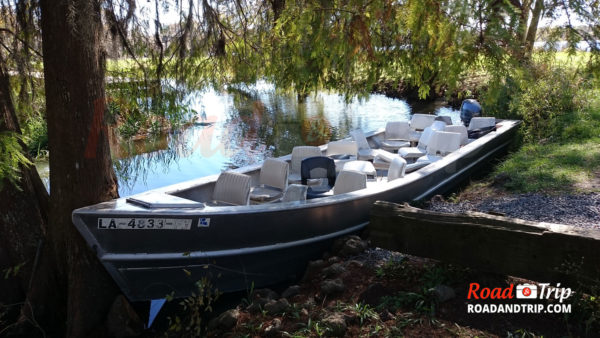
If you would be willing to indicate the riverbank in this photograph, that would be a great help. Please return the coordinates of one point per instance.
(378, 293)
(375, 292)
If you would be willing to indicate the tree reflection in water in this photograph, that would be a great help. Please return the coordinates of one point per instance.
(242, 126)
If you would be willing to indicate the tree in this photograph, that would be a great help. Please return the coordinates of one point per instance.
(303, 45)
(78, 287)
(24, 202)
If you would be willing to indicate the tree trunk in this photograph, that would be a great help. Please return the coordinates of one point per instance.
(23, 213)
(523, 21)
(75, 286)
(532, 31)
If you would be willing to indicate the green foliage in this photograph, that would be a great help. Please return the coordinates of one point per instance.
(36, 136)
(541, 95)
(419, 302)
(194, 308)
(568, 160)
(13, 271)
(11, 158)
(365, 312)
(393, 268)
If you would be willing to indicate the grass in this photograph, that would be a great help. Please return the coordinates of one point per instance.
(553, 167)
(567, 162)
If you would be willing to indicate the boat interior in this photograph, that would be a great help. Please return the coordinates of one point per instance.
(339, 167)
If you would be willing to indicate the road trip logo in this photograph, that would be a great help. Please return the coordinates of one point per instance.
(518, 298)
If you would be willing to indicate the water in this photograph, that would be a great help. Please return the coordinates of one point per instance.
(242, 126)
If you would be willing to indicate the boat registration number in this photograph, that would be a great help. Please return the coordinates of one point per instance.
(145, 223)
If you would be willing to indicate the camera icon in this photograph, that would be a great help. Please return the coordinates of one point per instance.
(526, 291)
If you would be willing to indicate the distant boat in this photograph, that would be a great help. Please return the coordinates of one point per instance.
(161, 242)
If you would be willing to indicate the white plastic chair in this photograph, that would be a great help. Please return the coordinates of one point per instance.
(295, 193)
(361, 166)
(438, 125)
(364, 149)
(419, 122)
(481, 122)
(298, 154)
(397, 135)
(462, 130)
(273, 181)
(441, 144)
(231, 188)
(420, 149)
(397, 168)
(342, 147)
(348, 181)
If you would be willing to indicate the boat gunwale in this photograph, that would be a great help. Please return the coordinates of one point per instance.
(374, 189)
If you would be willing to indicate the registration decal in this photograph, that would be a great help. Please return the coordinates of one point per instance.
(203, 222)
(145, 223)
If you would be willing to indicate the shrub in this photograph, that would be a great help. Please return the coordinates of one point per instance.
(36, 135)
(541, 95)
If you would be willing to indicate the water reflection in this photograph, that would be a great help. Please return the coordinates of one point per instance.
(243, 126)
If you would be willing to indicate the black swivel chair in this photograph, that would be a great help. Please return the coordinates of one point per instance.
(318, 167)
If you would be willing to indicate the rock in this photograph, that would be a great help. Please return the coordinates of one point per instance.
(291, 291)
(348, 246)
(351, 317)
(353, 246)
(274, 330)
(265, 293)
(277, 306)
(225, 321)
(297, 327)
(437, 199)
(122, 320)
(385, 315)
(254, 308)
(373, 294)
(333, 259)
(309, 303)
(336, 324)
(334, 270)
(331, 286)
(313, 268)
(354, 264)
(442, 293)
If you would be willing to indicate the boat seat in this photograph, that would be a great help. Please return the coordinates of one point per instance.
(319, 167)
(273, 181)
(419, 122)
(441, 144)
(397, 134)
(481, 123)
(416, 166)
(231, 188)
(446, 119)
(438, 126)
(348, 181)
(462, 130)
(480, 126)
(295, 192)
(299, 153)
(342, 147)
(383, 159)
(342, 151)
(361, 166)
(364, 149)
(397, 168)
(420, 149)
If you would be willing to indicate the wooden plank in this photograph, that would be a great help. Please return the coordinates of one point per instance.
(539, 251)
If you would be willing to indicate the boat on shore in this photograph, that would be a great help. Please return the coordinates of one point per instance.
(163, 241)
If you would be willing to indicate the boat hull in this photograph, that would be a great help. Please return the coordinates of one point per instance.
(253, 246)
